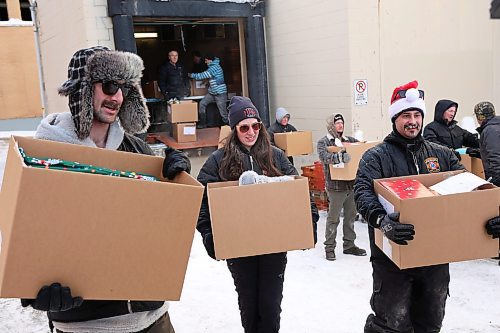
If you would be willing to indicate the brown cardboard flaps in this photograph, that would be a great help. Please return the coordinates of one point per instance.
(256, 221)
(347, 171)
(294, 143)
(102, 236)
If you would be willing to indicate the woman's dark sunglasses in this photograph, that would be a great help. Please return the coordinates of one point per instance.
(402, 94)
(111, 87)
(246, 128)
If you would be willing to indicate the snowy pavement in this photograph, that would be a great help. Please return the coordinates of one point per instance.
(319, 296)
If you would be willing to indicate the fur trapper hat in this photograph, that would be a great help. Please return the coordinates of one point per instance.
(97, 64)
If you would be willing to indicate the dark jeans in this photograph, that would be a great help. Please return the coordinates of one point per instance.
(259, 284)
(410, 300)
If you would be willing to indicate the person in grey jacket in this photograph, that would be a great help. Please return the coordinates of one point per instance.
(258, 279)
(340, 192)
(107, 108)
(489, 130)
(281, 125)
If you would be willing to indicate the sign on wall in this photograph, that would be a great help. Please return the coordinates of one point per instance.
(360, 92)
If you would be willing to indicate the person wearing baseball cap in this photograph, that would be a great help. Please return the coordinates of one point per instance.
(258, 279)
(404, 300)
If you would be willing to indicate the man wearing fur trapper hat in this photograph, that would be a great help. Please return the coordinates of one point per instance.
(414, 299)
(106, 108)
(340, 192)
(281, 125)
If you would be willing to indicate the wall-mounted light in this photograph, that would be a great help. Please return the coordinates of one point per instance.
(145, 35)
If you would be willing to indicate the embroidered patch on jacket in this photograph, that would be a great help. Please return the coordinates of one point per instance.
(432, 164)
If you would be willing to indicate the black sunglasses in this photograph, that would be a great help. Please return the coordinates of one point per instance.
(402, 94)
(111, 87)
(245, 128)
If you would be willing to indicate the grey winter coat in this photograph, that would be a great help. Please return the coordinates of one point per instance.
(328, 158)
(490, 148)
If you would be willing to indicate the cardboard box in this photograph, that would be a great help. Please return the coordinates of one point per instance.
(243, 229)
(183, 112)
(473, 164)
(199, 88)
(223, 134)
(152, 90)
(106, 237)
(184, 132)
(294, 143)
(347, 171)
(448, 228)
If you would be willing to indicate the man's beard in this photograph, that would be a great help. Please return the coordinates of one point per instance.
(102, 117)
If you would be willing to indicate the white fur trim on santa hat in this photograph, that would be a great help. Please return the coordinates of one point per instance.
(411, 101)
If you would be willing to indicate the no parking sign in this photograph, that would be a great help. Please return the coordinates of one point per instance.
(360, 92)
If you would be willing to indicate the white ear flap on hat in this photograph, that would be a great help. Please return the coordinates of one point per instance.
(134, 114)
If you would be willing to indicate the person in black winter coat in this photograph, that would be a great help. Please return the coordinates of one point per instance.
(172, 78)
(445, 131)
(414, 299)
(106, 109)
(281, 125)
(258, 279)
(489, 129)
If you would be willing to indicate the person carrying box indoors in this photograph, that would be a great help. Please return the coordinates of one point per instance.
(258, 279)
(106, 108)
(340, 192)
(413, 299)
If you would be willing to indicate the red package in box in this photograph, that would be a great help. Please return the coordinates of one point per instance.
(407, 188)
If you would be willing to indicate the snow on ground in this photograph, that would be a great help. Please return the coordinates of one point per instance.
(319, 296)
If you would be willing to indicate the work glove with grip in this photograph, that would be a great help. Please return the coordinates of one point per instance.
(175, 162)
(344, 157)
(53, 298)
(493, 227)
(208, 242)
(399, 233)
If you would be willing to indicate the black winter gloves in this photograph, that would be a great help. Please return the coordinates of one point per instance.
(473, 152)
(175, 162)
(208, 242)
(493, 227)
(398, 232)
(53, 298)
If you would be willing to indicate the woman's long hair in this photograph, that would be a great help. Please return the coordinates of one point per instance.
(232, 165)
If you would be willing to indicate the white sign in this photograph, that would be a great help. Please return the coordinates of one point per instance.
(360, 92)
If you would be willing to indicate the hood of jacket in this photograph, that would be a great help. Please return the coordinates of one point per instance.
(441, 107)
(60, 127)
(492, 121)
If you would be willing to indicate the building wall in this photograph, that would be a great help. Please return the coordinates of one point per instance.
(316, 49)
(19, 88)
(65, 27)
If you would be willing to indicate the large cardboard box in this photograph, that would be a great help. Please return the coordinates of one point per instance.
(473, 164)
(242, 229)
(199, 88)
(184, 132)
(448, 228)
(224, 133)
(294, 143)
(105, 237)
(347, 171)
(183, 112)
(152, 90)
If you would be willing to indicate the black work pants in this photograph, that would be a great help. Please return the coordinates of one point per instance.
(259, 284)
(409, 300)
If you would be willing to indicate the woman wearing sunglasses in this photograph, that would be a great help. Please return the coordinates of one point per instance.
(258, 279)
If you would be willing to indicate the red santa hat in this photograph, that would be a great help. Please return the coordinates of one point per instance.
(406, 97)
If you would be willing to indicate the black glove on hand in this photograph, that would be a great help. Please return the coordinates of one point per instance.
(473, 152)
(175, 162)
(208, 242)
(53, 298)
(397, 232)
(493, 227)
(457, 154)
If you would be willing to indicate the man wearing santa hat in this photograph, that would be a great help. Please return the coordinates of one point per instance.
(414, 299)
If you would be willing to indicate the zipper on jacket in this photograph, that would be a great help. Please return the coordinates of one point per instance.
(251, 162)
(415, 162)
